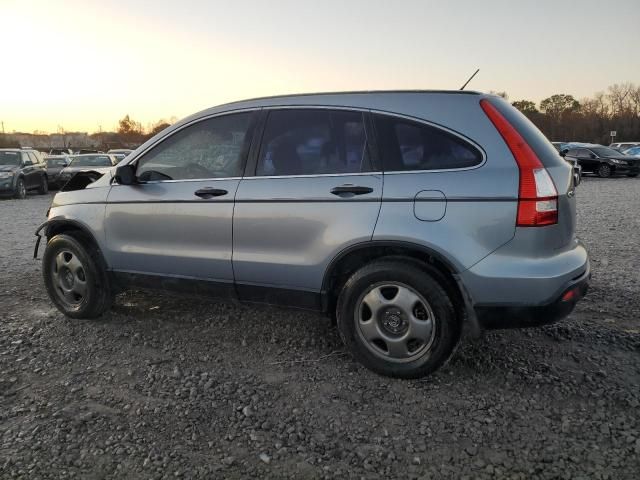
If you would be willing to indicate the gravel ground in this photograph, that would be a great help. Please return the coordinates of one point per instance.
(165, 387)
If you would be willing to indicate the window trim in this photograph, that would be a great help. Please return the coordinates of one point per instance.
(252, 164)
(433, 125)
(253, 127)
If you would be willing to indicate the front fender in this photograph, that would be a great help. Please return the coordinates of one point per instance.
(59, 224)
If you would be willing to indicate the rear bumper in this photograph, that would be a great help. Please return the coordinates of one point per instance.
(493, 317)
(514, 287)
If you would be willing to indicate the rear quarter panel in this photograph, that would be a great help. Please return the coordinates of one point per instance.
(481, 202)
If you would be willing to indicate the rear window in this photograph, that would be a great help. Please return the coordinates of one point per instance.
(92, 161)
(406, 145)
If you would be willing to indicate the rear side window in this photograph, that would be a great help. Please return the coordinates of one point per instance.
(406, 145)
(313, 142)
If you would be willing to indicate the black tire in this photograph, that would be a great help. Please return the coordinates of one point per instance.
(21, 189)
(604, 171)
(426, 283)
(97, 297)
(632, 175)
(43, 189)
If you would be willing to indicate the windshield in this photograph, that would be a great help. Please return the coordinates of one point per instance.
(10, 158)
(605, 152)
(91, 161)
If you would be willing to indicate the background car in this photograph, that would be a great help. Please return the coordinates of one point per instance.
(604, 161)
(82, 151)
(55, 165)
(120, 153)
(94, 162)
(60, 151)
(560, 146)
(633, 151)
(621, 147)
(21, 170)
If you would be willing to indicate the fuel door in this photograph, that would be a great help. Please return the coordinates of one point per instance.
(430, 205)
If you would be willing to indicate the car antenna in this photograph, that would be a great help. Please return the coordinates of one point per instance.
(470, 78)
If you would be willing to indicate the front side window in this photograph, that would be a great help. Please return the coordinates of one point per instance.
(407, 145)
(313, 142)
(584, 153)
(56, 162)
(212, 148)
(605, 152)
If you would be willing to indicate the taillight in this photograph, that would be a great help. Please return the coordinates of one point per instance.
(537, 195)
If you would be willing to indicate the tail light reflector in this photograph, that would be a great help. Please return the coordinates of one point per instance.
(537, 195)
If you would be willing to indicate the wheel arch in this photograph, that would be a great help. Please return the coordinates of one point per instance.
(354, 257)
(78, 230)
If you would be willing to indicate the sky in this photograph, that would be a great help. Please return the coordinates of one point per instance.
(82, 65)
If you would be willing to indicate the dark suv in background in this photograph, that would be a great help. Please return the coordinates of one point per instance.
(604, 161)
(22, 170)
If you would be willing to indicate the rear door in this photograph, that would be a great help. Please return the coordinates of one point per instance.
(178, 221)
(312, 193)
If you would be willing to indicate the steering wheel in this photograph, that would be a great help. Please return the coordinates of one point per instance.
(195, 170)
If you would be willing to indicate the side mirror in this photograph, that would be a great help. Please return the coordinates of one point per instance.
(592, 155)
(564, 152)
(126, 175)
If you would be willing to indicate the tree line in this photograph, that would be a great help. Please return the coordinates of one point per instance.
(562, 117)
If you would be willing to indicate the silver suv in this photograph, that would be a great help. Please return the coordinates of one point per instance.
(407, 216)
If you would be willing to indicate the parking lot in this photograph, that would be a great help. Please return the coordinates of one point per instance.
(169, 387)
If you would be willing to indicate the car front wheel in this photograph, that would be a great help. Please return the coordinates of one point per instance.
(397, 319)
(75, 277)
(604, 171)
(21, 189)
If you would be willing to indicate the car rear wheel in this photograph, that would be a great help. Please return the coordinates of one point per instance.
(75, 277)
(44, 185)
(397, 319)
(604, 171)
(21, 189)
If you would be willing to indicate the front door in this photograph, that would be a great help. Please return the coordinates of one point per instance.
(177, 222)
(312, 194)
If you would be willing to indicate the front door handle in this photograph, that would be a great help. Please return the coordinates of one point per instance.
(351, 189)
(210, 192)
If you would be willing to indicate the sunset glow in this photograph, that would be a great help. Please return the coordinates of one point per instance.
(97, 61)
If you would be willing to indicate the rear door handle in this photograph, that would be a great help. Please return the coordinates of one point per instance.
(210, 192)
(351, 189)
